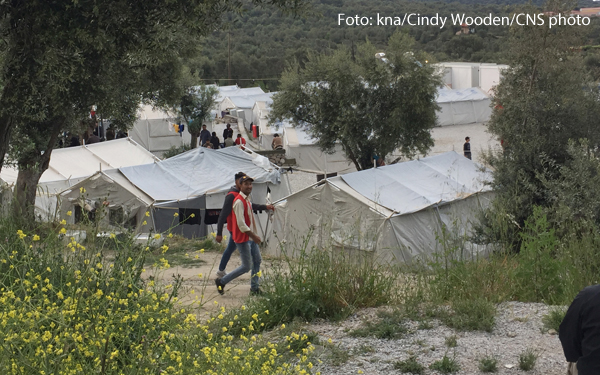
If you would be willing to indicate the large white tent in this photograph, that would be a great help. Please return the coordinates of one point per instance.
(241, 105)
(393, 213)
(463, 106)
(154, 130)
(70, 165)
(197, 182)
(298, 144)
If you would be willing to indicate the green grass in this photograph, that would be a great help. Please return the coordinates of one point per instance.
(527, 360)
(409, 366)
(554, 317)
(183, 252)
(390, 325)
(471, 315)
(446, 365)
(451, 341)
(488, 364)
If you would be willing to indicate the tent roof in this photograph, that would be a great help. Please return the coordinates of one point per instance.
(229, 91)
(198, 172)
(446, 95)
(248, 101)
(412, 186)
(83, 161)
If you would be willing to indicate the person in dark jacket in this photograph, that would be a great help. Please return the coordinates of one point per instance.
(204, 135)
(467, 148)
(216, 143)
(579, 333)
(225, 215)
(227, 133)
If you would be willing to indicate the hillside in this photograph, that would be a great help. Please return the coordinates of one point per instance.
(263, 42)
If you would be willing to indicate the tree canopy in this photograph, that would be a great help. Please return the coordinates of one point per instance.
(372, 107)
(195, 108)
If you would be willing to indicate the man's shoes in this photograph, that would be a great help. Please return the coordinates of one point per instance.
(221, 274)
(256, 292)
(220, 286)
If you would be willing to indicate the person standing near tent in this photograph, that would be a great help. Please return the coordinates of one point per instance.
(228, 132)
(244, 235)
(467, 148)
(227, 217)
(204, 135)
(214, 140)
(579, 333)
(240, 141)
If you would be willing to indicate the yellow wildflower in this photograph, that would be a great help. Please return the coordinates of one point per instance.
(193, 215)
(36, 237)
(21, 234)
(69, 213)
(157, 236)
(63, 231)
(170, 235)
(175, 214)
(82, 190)
(147, 213)
(63, 222)
(144, 222)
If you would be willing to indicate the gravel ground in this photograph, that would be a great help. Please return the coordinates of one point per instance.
(300, 180)
(518, 328)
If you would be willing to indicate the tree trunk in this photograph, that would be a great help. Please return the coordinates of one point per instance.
(5, 131)
(31, 168)
(194, 142)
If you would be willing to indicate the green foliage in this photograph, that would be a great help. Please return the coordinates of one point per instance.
(370, 106)
(471, 315)
(74, 308)
(527, 359)
(451, 341)
(538, 271)
(488, 364)
(176, 150)
(409, 366)
(195, 108)
(446, 365)
(554, 317)
(389, 326)
(546, 98)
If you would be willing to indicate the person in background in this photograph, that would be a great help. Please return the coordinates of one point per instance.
(467, 148)
(204, 135)
(228, 132)
(207, 144)
(277, 143)
(228, 142)
(225, 217)
(245, 237)
(579, 333)
(214, 140)
(240, 141)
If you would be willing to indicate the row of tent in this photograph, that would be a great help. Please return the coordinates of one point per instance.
(127, 181)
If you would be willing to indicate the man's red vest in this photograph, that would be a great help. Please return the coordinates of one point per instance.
(230, 217)
(239, 236)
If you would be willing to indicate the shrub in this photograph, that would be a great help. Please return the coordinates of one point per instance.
(445, 365)
(451, 341)
(527, 360)
(389, 326)
(488, 364)
(410, 366)
(471, 315)
(554, 317)
(69, 307)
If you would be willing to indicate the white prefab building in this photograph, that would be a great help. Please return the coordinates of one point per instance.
(464, 106)
(463, 75)
(392, 213)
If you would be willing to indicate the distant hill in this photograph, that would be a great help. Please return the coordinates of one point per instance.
(264, 42)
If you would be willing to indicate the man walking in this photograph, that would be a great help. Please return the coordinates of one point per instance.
(244, 235)
(227, 217)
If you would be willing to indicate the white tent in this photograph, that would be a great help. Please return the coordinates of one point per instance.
(154, 130)
(121, 203)
(197, 182)
(464, 106)
(243, 104)
(70, 165)
(298, 144)
(393, 213)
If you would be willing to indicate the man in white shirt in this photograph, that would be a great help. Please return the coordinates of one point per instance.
(243, 234)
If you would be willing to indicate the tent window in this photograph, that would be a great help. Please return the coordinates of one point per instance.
(211, 217)
(116, 216)
(84, 215)
(185, 216)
